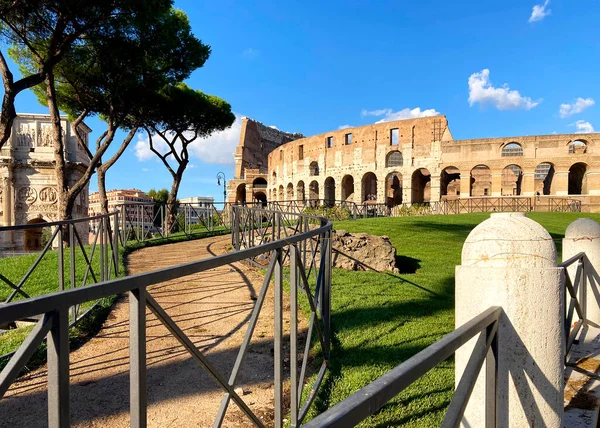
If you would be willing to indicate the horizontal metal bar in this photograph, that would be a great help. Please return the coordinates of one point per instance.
(55, 223)
(28, 308)
(372, 397)
(572, 260)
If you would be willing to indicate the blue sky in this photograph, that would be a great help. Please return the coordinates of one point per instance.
(516, 67)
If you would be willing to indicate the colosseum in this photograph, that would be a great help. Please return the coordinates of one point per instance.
(416, 161)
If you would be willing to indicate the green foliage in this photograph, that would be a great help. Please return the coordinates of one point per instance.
(161, 195)
(333, 213)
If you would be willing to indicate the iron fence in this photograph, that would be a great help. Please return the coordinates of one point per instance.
(575, 286)
(374, 396)
(291, 242)
(70, 243)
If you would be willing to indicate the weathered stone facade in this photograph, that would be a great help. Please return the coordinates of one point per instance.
(418, 161)
(256, 142)
(28, 191)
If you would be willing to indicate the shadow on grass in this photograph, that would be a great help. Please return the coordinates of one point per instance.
(384, 349)
(407, 264)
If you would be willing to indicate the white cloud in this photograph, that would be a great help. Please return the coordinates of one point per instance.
(578, 106)
(145, 169)
(539, 12)
(344, 126)
(216, 149)
(483, 92)
(250, 53)
(407, 113)
(583, 127)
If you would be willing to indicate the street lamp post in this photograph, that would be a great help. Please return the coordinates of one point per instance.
(221, 175)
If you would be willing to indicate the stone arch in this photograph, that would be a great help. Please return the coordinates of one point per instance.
(240, 194)
(369, 187)
(280, 195)
(300, 193)
(33, 238)
(261, 198)
(481, 181)
(421, 186)
(313, 190)
(329, 192)
(393, 189)
(578, 179)
(543, 176)
(512, 178)
(313, 169)
(274, 177)
(450, 182)
(394, 159)
(348, 188)
(259, 183)
(289, 192)
(512, 149)
(578, 146)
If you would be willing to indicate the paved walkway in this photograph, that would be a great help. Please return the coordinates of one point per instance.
(212, 308)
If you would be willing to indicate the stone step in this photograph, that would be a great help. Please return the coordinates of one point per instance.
(582, 380)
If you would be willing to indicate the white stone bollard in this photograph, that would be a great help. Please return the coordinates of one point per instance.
(583, 235)
(510, 261)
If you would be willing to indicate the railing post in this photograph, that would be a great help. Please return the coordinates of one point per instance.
(137, 351)
(59, 406)
(278, 340)
(61, 261)
(294, 336)
(583, 235)
(116, 243)
(510, 261)
(72, 266)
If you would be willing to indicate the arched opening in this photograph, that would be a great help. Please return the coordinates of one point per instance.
(300, 191)
(578, 179)
(481, 181)
(369, 187)
(512, 149)
(313, 190)
(289, 192)
(577, 147)
(240, 194)
(33, 239)
(421, 186)
(348, 188)
(259, 183)
(260, 198)
(394, 159)
(512, 177)
(450, 182)
(329, 196)
(313, 168)
(393, 189)
(544, 173)
(280, 195)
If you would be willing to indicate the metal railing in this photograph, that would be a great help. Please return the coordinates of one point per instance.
(347, 210)
(143, 221)
(69, 242)
(575, 287)
(53, 313)
(374, 396)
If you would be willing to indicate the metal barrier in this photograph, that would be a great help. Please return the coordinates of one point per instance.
(374, 396)
(142, 221)
(509, 204)
(69, 241)
(576, 290)
(53, 313)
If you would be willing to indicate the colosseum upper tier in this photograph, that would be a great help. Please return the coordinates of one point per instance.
(417, 161)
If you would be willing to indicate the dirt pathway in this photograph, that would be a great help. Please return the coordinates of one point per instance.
(212, 308)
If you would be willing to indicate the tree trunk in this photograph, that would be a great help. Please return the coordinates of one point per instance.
(102, 190)
(7, 117)
(60, 170)
(172, 200)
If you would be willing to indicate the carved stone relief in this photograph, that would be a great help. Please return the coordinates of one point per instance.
(26, 135)
(27, 195)
(48, 195)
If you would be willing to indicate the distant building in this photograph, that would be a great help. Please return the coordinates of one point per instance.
(139, 207)
(28, 191)
(196, 208)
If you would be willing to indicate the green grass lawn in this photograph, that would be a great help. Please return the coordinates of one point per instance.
(381, 319)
